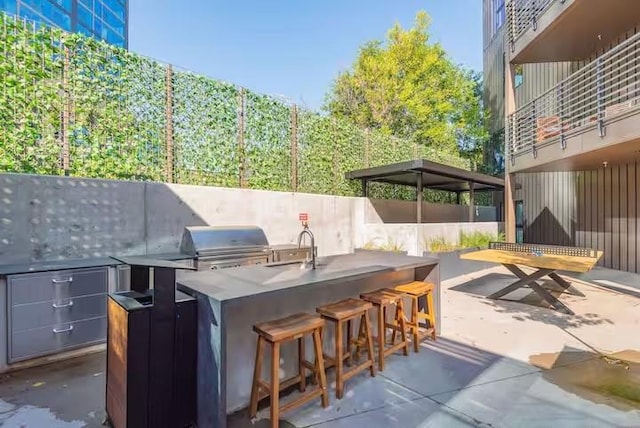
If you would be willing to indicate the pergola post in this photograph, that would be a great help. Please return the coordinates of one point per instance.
(419, 197)
(458, 198)
(472, 210)
(365, 188)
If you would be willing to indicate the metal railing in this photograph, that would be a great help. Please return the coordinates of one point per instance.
(606, 89)
(522, 15)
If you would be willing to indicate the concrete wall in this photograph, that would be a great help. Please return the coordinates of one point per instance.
(393, 211)
(414, 238)
(49, 218)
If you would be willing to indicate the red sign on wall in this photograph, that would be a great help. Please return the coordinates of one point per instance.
(303, 217)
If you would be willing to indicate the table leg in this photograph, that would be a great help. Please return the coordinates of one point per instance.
(527, 280)
(517, 272)
(551, 299)
(566, 285)
(530, 280)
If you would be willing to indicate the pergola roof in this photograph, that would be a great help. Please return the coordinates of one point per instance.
(434, 176)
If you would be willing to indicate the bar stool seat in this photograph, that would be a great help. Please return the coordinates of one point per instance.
(275, 333)
(380, 300)
(339, 313)
(416, 290)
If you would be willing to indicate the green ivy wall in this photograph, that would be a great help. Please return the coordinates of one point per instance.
(71, 105)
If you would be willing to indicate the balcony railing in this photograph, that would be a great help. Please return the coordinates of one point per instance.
(605, 89)
(524, 14)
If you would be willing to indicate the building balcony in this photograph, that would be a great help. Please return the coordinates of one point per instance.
(566, 30)
(589, 118)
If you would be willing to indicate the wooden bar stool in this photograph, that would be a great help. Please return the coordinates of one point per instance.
(276, 332)
(339, 313)
(415, 290)
(380, 300)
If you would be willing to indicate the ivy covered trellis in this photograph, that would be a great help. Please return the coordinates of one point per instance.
(72, 105)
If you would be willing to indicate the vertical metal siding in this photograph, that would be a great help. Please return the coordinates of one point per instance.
(493, 69)
(596, 209)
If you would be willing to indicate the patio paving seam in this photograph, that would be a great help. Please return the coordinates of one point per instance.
(373, 409)
(451, 409)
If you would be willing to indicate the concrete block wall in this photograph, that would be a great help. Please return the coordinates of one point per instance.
(50, 218)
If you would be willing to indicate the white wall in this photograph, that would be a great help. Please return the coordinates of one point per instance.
(414, 238)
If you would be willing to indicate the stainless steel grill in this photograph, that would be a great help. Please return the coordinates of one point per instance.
(225, 246)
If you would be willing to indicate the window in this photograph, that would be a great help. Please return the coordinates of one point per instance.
(116, 7)
(9, 6)
(519, 222)
(498, 7)
(85, 16)
(65, 4)
(84, 30)
(114, 22)
(47, 11)
(518, 77)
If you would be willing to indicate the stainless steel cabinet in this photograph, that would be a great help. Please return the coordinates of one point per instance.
(55, 311)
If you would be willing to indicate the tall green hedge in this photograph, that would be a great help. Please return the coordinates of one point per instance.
(115, 114)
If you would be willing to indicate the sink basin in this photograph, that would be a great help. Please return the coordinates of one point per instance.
(293, 265)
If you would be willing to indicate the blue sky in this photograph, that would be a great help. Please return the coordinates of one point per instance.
(290, 48)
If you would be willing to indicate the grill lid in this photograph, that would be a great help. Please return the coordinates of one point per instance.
(198, 241)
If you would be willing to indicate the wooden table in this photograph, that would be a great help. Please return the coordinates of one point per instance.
(545, 259)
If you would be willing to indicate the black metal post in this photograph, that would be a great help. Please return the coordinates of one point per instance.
(419, 197)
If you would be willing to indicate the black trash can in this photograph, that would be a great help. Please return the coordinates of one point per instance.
(151, 349)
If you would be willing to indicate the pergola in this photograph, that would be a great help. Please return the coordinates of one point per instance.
(423, 174)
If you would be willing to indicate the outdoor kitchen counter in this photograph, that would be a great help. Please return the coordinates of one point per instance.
(231, 301)
(229, 284)
(89, 262)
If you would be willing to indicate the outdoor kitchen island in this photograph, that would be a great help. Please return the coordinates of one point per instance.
(231, 301)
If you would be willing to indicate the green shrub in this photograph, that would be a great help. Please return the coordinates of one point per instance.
(474, 239)
(479, 239)
(391, 245)
(439, 244)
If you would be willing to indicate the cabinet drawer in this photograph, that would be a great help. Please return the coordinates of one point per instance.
(56, 286)
(34, 315)
(47, 340)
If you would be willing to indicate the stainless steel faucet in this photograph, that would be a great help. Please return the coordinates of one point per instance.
(306, 231)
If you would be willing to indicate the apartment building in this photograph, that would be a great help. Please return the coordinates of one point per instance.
(562, 81)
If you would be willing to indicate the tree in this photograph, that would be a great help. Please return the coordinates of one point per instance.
(409, 88)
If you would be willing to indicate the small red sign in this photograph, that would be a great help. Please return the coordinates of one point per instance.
(303, 217)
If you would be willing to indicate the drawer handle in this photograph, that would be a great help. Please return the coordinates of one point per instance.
(64, 330)
(67, 305)
(62, 281)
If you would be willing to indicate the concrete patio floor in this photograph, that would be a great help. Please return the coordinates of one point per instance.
(497, 363)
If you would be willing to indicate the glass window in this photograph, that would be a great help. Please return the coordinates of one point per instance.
(9, 6)
(499, 14)
(65, 4)
(99, 29)
(114, 22)
(47, 10)
(98, 9)
(29, 14)
(87, 3)
(84, 30)
(518, 78)
(116, 7)
(519, 222)
(114, 38)
(85, 16)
